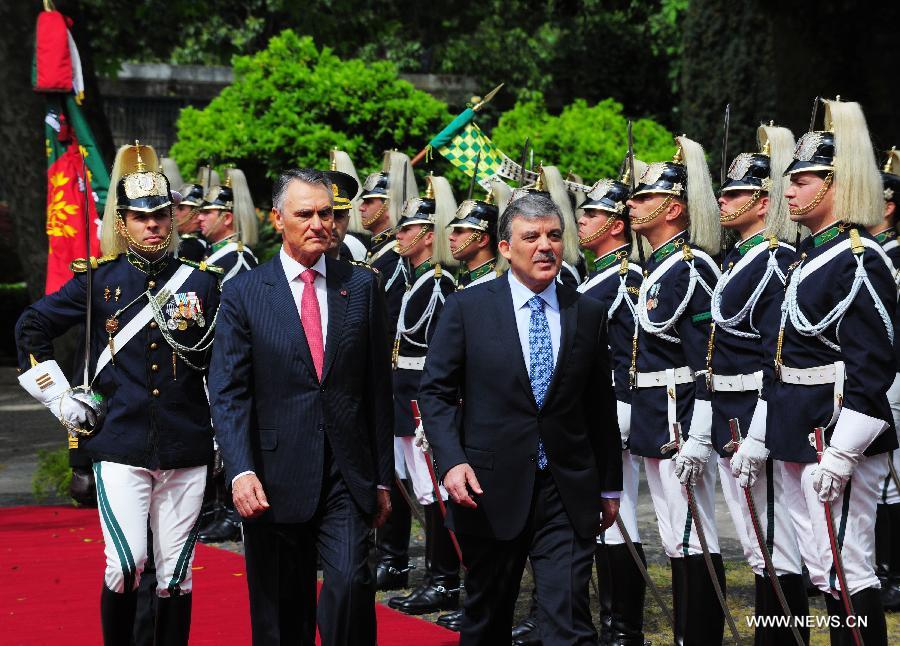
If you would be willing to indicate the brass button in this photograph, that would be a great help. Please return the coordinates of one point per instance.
(153, 324)
(154, 368)
(153, 346)
(151, 284)
(156, 392)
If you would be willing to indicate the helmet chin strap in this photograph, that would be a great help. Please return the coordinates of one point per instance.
(599, 232)
(475, 237)
(655, 213)
(421, 234)
(819, 196)
(122, 230)
(367, 223)
(731, 217)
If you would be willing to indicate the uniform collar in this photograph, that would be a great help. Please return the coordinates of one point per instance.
(610, 258)
(293, 269)
(421, 269)
(746, 245)
(672, 244)
(149, 267)
(522, 294)
(380, 239)
(828, 234)
(481, 270)
(886, 236)
(224, 241)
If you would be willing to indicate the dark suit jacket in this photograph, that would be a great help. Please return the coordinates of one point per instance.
(270, 413)
(476, 355)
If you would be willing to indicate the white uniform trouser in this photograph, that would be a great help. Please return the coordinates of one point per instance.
(399, 459)
(769, 501)
(126, 497)
(631, 471)
(676, 527)
(417, 471)
(889, 495)
(854, 520)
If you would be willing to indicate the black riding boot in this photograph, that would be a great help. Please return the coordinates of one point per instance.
(767, 605)
(890, 588)
(679, 598)
(117, 616)
(868, 610)
(173, 620)
(704, 619)
(628, 595)
(392, 546)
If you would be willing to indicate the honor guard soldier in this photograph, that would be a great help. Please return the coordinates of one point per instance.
(381, 201)
(355, 242)
(615, 280)
(572, 269)
(151, 323)
(473, 241)
(422, 243)
(887, 524)
(746, 310)
(344, 188)
(228, 222)
(674, 207)
(833, 365)
(192, 245)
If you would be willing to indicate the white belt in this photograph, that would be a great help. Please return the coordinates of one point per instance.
(683, 375)
(411, 363)
(833, 373)
(737, 383)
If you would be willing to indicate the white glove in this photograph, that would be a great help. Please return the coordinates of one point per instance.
(47, 384)
(750, 457)
(694, 453)
(623, 412)
(831, 475)
(853, 434)
(420, 440)
(75, 412)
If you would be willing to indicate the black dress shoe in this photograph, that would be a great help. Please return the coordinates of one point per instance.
(433, 595)
(225, 528)
(526, 632)
(890, 594)
(451, 621)
(389, 576)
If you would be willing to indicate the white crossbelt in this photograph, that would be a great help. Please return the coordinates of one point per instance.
(831, 374)
(683, 375)
(411, 363)
(737, 383)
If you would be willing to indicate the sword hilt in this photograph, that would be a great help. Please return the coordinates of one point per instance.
(417, 416)
(675, 443)
(735, 425)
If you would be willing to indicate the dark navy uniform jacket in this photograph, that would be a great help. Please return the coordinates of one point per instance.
(393, 274)
(192, 247)
(745, 268)
(649, 417)
(604, 284)
(158, 416)
(795, 410)
(228, 261)
(423, 281)
(891, 246)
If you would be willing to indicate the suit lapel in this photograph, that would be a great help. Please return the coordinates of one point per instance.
(508, 330)
(568, 315)
(338, 295)
(285, 308)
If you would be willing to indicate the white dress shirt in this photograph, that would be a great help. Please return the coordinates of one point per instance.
(520, 297)
(292, 271)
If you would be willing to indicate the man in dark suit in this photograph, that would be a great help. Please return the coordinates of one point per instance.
(300, 391)
(533, 465)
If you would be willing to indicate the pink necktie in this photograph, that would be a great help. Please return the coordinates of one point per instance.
(311, 319)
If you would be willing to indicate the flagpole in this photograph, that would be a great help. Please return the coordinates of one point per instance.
(475, 108)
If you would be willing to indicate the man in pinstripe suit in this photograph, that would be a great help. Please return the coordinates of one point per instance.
(300, 391)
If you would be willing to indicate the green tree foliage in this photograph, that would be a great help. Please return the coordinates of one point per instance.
(292, 102)
(590, 140)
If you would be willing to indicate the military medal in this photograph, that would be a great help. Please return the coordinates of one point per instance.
(106, 294)
(112, 326)
(118, 293)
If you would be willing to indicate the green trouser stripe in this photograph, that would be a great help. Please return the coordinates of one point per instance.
(119, 542)
(845, 505)
(770, 506)
(687, 531)
(184, 558)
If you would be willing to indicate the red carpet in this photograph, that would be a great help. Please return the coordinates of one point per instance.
(51, 570)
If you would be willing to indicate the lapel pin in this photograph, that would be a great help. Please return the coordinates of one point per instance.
(344, 292)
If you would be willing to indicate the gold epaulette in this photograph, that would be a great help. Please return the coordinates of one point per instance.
(364, 265)
(203, 266)
(240, 245)
(773, 242)
(438, 271)
(80, 265)
(687, 252)
(856, 244)
(623, 268)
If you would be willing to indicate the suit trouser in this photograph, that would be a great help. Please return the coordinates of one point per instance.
(281, 573)
(854, 518)
(562, 562)
(126, 497)
(773, 514)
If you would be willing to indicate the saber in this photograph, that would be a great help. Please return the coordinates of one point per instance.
(812, 118)
(644, 573)
(707, 557)
(522, 163)
(819, 439)
(723, 170)
(417, 418)
(893, 470)
(405, 495)
(633, 182)
(735, 426)
(474, 175)
(89, 276)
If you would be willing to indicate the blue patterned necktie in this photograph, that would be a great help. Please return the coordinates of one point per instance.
(540, 368)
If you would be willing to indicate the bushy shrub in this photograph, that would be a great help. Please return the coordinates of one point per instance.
(291, 103)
